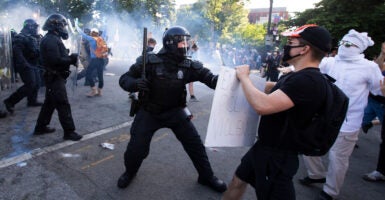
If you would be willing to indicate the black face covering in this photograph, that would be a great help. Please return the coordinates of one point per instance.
(286, 52)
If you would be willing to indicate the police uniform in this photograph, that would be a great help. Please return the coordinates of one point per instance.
(26, 58)
(162, 107)
(56, 62)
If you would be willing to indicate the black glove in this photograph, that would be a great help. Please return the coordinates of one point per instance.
(74, 58)
(143, 85)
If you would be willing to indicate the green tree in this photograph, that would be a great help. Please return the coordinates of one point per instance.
(339, 16)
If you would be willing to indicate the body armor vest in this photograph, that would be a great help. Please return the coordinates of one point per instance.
(168, 87)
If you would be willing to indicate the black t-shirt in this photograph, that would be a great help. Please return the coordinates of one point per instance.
(307, 89)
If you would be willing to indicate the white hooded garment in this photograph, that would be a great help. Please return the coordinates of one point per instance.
(355, 76)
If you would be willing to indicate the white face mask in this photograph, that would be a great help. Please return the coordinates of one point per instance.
(348, 51)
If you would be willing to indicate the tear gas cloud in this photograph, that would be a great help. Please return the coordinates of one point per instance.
(123, 32)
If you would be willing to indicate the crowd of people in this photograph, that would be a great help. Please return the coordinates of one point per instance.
(270, 164)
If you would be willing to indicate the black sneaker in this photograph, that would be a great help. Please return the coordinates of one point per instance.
(214, 183)
(324, 196)
(10, 107)
(308, 181)
(125, 180)
(365, 128)
(44, 130)
(72, 136)
(34, 104)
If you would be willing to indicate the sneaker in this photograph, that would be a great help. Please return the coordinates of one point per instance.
(125, 180)
(44, 130)
(324, 196)
(365, 128)
(374, 176)
(308, 181)
(72, 136)
(213, 183)
(193, 99)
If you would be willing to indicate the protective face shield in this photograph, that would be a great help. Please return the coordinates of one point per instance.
(172, 37)
(31, 27)
(57, 23)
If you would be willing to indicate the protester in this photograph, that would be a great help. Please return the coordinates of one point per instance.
(379, 173)
(356, 76)
(162, 96)
(57, 62)
(26, 57)
(375, 107)
(97, 60)
(271, 163)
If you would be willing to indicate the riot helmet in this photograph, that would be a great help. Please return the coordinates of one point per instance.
(30, 27)
(172, 37)
(57, 23)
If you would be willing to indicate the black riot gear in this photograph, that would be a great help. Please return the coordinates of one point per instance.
(30, 27)
(57, 23)
(172, 37)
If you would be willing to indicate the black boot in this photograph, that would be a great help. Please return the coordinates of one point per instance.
(9, 106)
(72, 136)
(125, 180)
(43, 130)
(214, 183)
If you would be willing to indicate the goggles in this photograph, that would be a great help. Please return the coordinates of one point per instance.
(346, 44)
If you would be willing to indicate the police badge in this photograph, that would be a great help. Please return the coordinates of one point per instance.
(180, 74)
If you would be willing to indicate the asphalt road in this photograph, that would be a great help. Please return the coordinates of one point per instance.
(46, 167)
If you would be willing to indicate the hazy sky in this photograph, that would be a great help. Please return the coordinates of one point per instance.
(291, 5)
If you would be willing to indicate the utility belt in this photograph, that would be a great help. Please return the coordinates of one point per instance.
(157, 109)
(62, 74)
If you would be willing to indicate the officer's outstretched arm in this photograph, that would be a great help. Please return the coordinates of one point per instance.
(204, 75)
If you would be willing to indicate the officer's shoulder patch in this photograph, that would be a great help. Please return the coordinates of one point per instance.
(196, 64)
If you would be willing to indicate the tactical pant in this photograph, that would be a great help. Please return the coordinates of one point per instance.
(146, 124)
(56, 98)
(30, 88)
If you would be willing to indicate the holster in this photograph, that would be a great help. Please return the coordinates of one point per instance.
(135, 105)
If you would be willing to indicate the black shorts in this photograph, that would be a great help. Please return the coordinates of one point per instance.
(269, 171)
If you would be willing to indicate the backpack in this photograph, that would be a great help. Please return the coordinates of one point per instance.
(319, 136)
(101, 50)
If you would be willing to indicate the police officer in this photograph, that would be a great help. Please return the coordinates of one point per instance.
(162, 94)
(56, 62)
(26, 58)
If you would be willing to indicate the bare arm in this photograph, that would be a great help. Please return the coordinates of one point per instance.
(381, 58)
(261, 102)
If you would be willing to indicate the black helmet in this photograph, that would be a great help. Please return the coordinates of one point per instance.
(57, 23)
(172, 37)
(30, 27)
